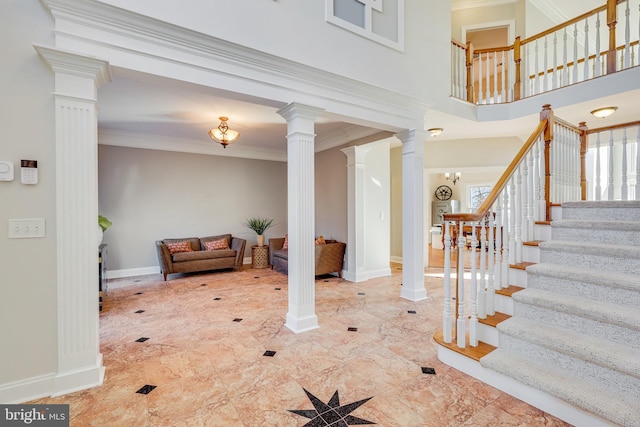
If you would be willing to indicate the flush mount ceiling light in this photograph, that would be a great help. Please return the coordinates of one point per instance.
(604, 112)
(435, 131)
(222, 134)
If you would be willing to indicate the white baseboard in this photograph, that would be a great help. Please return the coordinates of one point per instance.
(51, 385)
(397, 259)
(365, 275)
(131, 272)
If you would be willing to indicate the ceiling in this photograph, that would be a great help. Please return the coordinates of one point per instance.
(154, 106)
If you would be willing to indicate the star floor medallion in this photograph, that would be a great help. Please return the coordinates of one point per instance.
(331, 414)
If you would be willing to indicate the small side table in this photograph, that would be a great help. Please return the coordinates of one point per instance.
(259, 256)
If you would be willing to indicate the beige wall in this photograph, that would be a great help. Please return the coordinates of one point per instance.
(28, 312)
(150, 195)
(331, 194)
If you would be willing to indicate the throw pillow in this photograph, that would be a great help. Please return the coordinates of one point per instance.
(286, 242)
(320, 241)
(216, 244)
(175, 247)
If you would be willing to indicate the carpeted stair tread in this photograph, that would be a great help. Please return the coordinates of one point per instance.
(626, 317)
(594, 350)
(591, 248)
(629, 226)
(596, 277)
(589, 396)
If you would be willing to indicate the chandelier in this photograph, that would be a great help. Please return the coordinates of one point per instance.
(222, 134)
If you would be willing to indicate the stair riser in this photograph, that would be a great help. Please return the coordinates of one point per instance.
(573, 322)
(574, 366)
(575, 288)
(596, 235)
(530, 253)
(542, 232)
(488, 334)
(604, 214)
(598, 262)
(517, 277)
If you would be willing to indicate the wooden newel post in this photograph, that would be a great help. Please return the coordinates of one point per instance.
(517, 59)
(584, 146)
(612, 20)
(547, 114)
(470, 90)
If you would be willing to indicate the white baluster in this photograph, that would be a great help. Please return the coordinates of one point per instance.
(473, 320)
(447, 320)
(461, 323)
(512, 221)
(495, 78)
(545, 75)
(586, 50)
(610, 189)
(518, 215)
(598, 186)
(489, 98)
(504, 81)
(565, 60)
(597, 63)
(536, 76)
(525, 197)
(538, 208)
(497, 270)
(627, 37)
(480, 81)
(504, 196)
(575, 53)
(637, 168)
(555, 71)
(491, 293)
(482, 292)
(530, 198)
(624, 194)
(525, 67)
(543, 183)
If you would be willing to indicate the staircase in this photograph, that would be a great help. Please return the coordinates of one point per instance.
(574, 332)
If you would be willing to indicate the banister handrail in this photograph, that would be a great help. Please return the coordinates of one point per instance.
(564, 24)
(493, 49)
(613, 127)
(459, 44)
(502, 181)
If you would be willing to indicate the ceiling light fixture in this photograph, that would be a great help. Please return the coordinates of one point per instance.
(601, 113)
(222, 134)
(435, 131)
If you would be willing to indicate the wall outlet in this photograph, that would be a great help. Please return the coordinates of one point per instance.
(26, 228)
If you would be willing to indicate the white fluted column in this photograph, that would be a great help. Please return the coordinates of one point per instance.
(356, 213)
(77, 79)
(413, 239)
(301, 315)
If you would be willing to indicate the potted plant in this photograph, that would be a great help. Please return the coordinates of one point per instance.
(103, 224)
(259, 225)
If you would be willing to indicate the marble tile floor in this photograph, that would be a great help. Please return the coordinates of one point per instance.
(211, 349)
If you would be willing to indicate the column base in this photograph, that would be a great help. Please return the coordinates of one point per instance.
(418, 294)
(301, 324)
(80, 379)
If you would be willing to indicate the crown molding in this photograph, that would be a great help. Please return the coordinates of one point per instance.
(89, 25)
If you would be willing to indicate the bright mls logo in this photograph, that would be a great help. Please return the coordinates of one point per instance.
(34, 415)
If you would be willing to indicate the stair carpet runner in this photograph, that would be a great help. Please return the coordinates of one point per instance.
(575, 329)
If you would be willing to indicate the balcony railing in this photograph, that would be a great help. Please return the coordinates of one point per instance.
(599, 42)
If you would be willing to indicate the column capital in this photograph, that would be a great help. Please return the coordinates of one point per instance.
(299, 111)
(410, 135)
(355, 154)
(76, 76)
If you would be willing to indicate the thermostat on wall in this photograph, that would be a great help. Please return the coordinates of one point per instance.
(6, 170)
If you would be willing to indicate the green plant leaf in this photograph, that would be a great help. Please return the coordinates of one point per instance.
(258, 224)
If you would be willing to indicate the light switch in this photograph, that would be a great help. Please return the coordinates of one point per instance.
(26, 228)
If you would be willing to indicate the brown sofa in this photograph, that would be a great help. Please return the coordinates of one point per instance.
(200, 259)
(329, 257)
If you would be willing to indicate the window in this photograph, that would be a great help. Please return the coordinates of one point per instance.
(476, 193)
(379, 20)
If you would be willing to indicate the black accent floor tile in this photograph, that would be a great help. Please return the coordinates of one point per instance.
(143, 339)
(326, 280)
(237, 319)
(217, 299)
(411, 312)
(139, 311)
(278, 289)
(352, 329)
(138, 293)
(360, 293)
(204, 284)
(332, 413)
(430, 371)
(256, 277)
(146, 389)
(269, 353)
